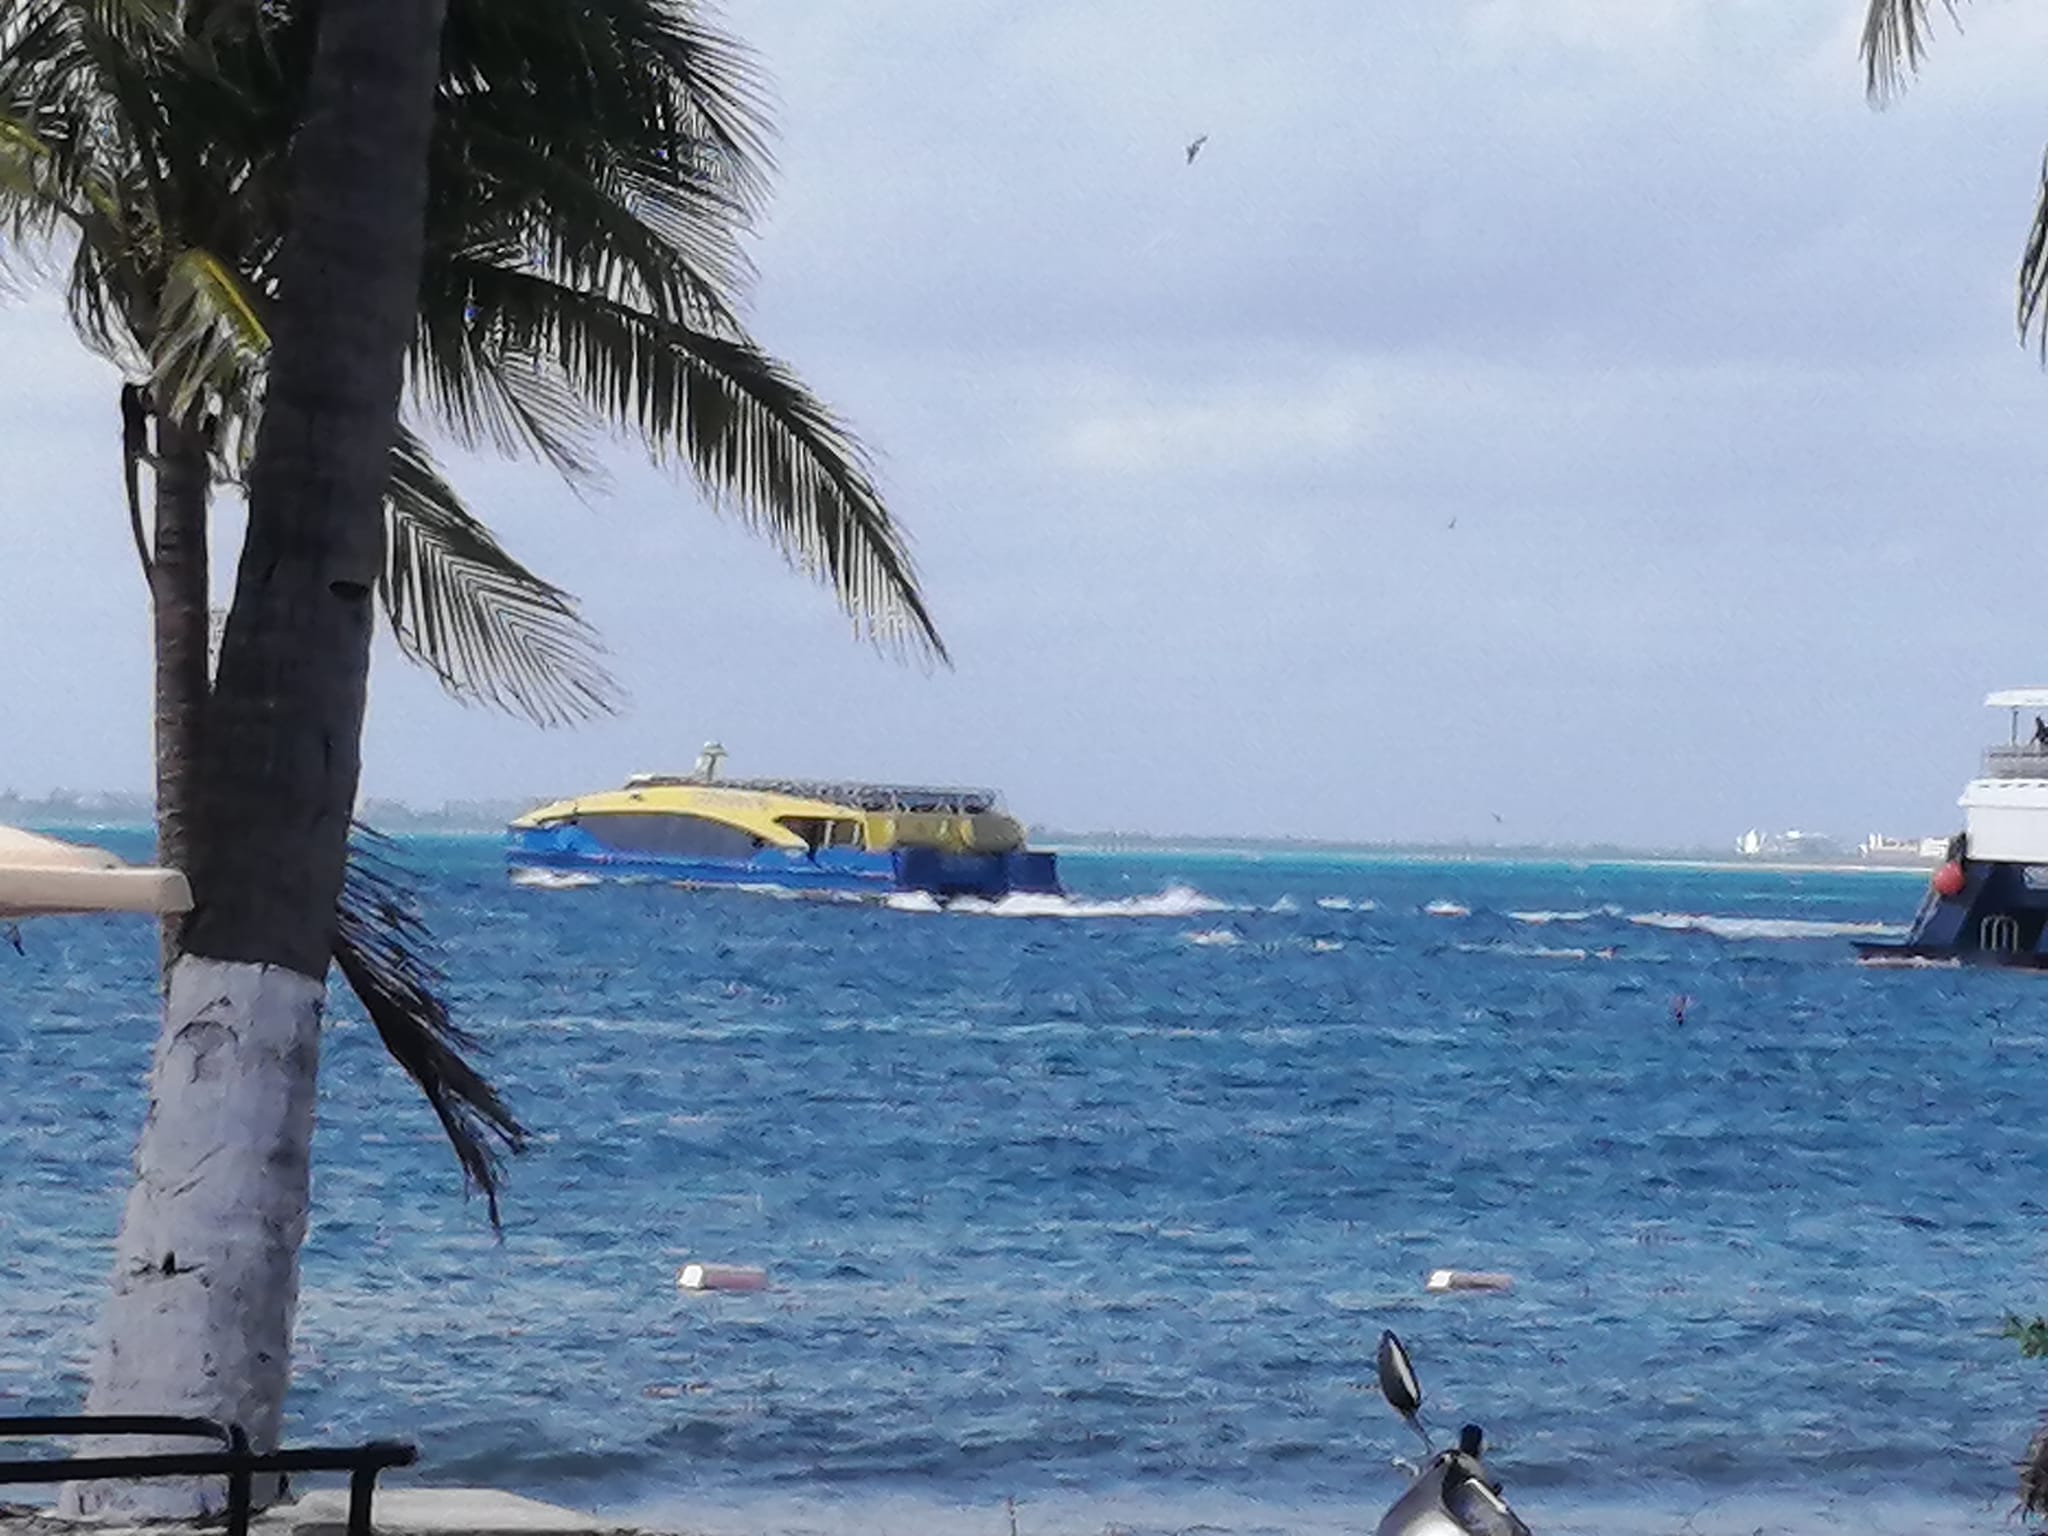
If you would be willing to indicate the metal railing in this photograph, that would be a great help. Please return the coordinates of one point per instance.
(2022, 762)
(235, 1461)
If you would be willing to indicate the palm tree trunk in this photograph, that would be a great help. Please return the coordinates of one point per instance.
(206, 1266)
(178, 590)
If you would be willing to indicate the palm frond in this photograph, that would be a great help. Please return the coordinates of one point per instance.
(619, 208)
(2033, 1474)
(81, 114)
(717, 88)
(22, 158)
(1894, 42)
(134, 447)
(644, 65)
(463, 607)
(486, 400)
(30, 217)
(2033, 283)
(93, 301)
(761, 446)
(602, 159)
(383, 950)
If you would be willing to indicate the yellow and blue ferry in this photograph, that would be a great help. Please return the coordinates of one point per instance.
(795, 834)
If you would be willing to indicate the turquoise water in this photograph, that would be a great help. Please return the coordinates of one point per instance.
(1102, 1209)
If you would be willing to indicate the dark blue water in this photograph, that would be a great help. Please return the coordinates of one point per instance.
(1086, 1207)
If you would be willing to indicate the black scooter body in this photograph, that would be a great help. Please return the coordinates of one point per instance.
(1452, 1494)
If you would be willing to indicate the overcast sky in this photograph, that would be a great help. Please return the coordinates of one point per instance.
(1586, 413)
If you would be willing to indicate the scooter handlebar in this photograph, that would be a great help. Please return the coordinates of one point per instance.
(1474, 1501)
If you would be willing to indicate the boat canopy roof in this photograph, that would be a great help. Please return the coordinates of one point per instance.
(2018, 698)
(929, 798)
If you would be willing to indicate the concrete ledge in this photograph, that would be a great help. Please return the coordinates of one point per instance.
(435, 1512)
(324, 1512)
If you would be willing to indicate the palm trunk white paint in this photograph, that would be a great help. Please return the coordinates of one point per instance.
(206, 1273)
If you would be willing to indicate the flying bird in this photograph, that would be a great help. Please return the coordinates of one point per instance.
(1195, 148)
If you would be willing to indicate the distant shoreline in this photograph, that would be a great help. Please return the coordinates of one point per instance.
(133, 813)
(1368, 853)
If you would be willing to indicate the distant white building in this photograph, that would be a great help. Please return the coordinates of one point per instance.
(1876, 848)
(1757, 844)
(1903, 850)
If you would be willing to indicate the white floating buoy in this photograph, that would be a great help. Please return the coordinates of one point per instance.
(1467, 1280)
(721, 1277)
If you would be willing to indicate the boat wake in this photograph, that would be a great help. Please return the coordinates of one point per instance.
(1184, 901)
(1721, 926)
(1763, 927)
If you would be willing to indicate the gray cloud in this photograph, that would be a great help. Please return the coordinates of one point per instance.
(1712, 366)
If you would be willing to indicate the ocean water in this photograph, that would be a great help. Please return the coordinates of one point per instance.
(1100, 1206)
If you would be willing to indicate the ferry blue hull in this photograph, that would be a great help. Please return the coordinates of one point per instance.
(838, 871)
(1999, 917)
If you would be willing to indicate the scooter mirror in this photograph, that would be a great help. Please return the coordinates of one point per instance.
(1397, 1377)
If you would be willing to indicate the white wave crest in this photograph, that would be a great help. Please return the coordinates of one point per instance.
(553, 879)
(1551, 917)
(1539, 951)
(1326, 946)
(1762, 927)
(1347, 904)
(1174, 901)
(1447, 909)
(1284, 906)
(1217, 937)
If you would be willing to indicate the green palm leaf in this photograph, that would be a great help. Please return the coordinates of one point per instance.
(211, 343)
(25, 213)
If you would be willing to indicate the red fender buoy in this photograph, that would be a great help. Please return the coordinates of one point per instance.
(1949, 880)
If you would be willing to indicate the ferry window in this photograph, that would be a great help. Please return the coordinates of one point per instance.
(696, 837)
(822, 832)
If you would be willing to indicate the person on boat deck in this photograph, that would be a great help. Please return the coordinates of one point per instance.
(2040, 732)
